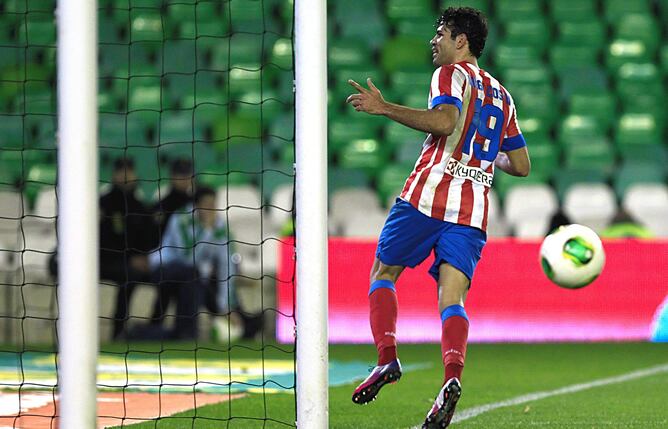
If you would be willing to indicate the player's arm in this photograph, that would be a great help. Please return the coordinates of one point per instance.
(439, 121)
(514, 162)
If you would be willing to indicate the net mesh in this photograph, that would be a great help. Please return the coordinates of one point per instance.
(196, 155)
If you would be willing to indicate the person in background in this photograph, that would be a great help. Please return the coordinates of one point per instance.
(624, 226)
(180, 193)
(126, 230)
(194, 251)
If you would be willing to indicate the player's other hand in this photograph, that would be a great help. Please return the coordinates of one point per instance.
(367, 100)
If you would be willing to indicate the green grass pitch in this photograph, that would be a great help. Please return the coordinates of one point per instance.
(494, 372)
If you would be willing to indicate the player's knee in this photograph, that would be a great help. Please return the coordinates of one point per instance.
(386, 272)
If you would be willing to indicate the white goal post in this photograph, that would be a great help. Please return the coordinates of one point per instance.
(311, 212)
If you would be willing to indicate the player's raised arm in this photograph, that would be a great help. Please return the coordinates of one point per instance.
(439, 121)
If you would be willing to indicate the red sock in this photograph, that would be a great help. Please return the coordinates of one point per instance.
(383, 317)
(453, 345)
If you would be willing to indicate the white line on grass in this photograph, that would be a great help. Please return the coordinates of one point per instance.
(470, 413)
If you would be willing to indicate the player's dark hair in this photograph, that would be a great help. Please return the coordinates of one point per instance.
(123, 163)
(182, 166)
(203, 191)
(469, 21)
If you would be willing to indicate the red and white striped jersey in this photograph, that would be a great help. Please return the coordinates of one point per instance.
(453, 175)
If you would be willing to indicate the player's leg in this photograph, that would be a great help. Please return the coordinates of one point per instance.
(457, 254)
(383, 309)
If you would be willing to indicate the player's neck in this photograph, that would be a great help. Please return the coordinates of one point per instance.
(466, 58)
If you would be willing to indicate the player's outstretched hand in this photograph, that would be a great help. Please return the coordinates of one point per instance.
(367, 100)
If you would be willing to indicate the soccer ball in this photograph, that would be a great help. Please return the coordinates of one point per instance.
(572, 256)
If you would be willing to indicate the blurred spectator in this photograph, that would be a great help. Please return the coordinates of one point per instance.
(558, 219)
(193, 265)
(624, 226)
(126, 235)
(180, 193)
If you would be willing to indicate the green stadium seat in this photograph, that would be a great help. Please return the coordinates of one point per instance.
(508, 55)
(405, 53)
(39, 176)
(504, 182)
(340, 178)
(42, 133)
(564, 56)
(344, 129)
(245, 48)
(177, 126)
(664, 60)
(397, 10)
(235, 126)
(110, 31)
(113, 61)
(534, 32)
(634, 129)
(622, 51)
(265, 105)
(144, 93)
(601, 105)
(373, 33)
(146, 25)
(507, 10)
(574, 128)
(39, 29)
(281, 53)
(580, 11)
(591, 33)
(638, 80)
(179, 56)
(533, 128)
(275, 176)
(544, 156)
(145, 58)
(116, 131)
(396, 135)
(403, 83)
(245, 78)
(420, 28)
(539, 101)
(632, 173)
(568, 177)
(364, 154)
(639, 27)
(616, 10)
(200, 29)
(595, 154)
(582, 79)
(149, 121)
(348, 53)
(481, 5)
(252, 17)
(241, 154)
(178, 91)
(537, 77)
(391, 180)
(11, 132)
(651, 153)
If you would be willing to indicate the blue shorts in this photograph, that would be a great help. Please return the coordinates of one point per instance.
(409, 236)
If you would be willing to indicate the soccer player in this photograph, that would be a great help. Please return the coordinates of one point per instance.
(472, 128)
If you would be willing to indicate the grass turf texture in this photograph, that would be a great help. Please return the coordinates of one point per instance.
(494, 372)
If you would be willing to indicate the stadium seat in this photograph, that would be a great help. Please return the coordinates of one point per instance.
(144, 93)
(391, 180)
(405, 53)
(639, 27)
(594, 153)
(632, 173)
(11, 132)
(365, 154)
(421, 28)
(396, 135)
(634, 129)
(564, 56)
(601, 105)
(503, 182)
(340, 178)
(39, 176)
(397, 10)
(40, 29)
(568, 177)
(507, 10)
(544, 156)
(573, 11)
(281, 205)
(482, 5)
(115, 130)
(177, 127)
(580, 79)
(348, 53)
(538, 101)
(403, 83)
(363, 224)
(648, 203)
(534, 128)
(622, 51)
(146, 25)
(518, 55)
(664, 59)
(639, 85)
(345, 201)
(343, 129)
(179, 56)
(616, 10)
(537, 77)
(591, 204)
(252, 17)
(528, 209)
(574, 128)
(533, 31)
(591, 33)
(203, 30)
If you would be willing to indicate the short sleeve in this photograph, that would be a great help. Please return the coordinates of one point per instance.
(513, 139)
(447, 87)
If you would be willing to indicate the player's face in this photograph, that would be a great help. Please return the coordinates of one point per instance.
(206, 210)
(442, 47)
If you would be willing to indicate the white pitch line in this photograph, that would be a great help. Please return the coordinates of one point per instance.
(470, 413)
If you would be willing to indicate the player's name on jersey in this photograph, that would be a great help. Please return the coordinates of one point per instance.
(474, 174)
(490, 91)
